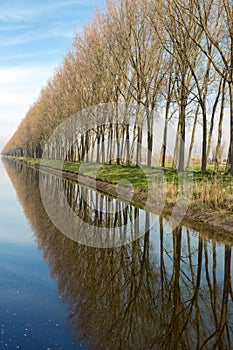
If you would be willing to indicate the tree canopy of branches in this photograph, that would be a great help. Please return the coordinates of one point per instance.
(169, 58)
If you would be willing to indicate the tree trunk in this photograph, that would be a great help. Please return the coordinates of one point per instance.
(110, 133)
(230, 163)
(182, 137)
(149, 139)
(103, 143)
(212, 120)
(118, 143)
(176, 148)
(98, 145)
(220, 126)
(87, 144)
(182, 115)
(204, 140)
(139, 147)
(82, 147)
(127, 146)
(164, 145)
(192, 137)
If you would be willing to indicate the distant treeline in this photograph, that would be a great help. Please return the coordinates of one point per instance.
(169, 58)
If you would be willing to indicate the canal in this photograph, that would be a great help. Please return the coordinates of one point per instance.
(80, 289)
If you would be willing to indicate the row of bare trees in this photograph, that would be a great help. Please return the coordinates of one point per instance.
(167, 59)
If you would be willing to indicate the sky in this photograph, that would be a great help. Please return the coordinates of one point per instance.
(34, 38)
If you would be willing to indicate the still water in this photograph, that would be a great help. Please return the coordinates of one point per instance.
(165, 290)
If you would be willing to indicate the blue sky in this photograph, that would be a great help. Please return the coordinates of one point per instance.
(34, 37)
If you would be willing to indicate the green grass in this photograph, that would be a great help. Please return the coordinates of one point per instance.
(213, 189)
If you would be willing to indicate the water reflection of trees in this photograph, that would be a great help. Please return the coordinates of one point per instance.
(163, 291)
(93, 207)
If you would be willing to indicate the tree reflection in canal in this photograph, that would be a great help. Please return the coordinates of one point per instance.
(166, 290)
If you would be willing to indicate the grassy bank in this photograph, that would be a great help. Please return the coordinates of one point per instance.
(212, 191)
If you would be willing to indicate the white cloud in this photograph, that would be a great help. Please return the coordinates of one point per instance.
(18, 12)
(19, 88)
(35, 36)
(10, 27)
(29, 55)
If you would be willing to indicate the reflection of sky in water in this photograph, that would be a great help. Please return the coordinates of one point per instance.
(32, 316)
(13, 224)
